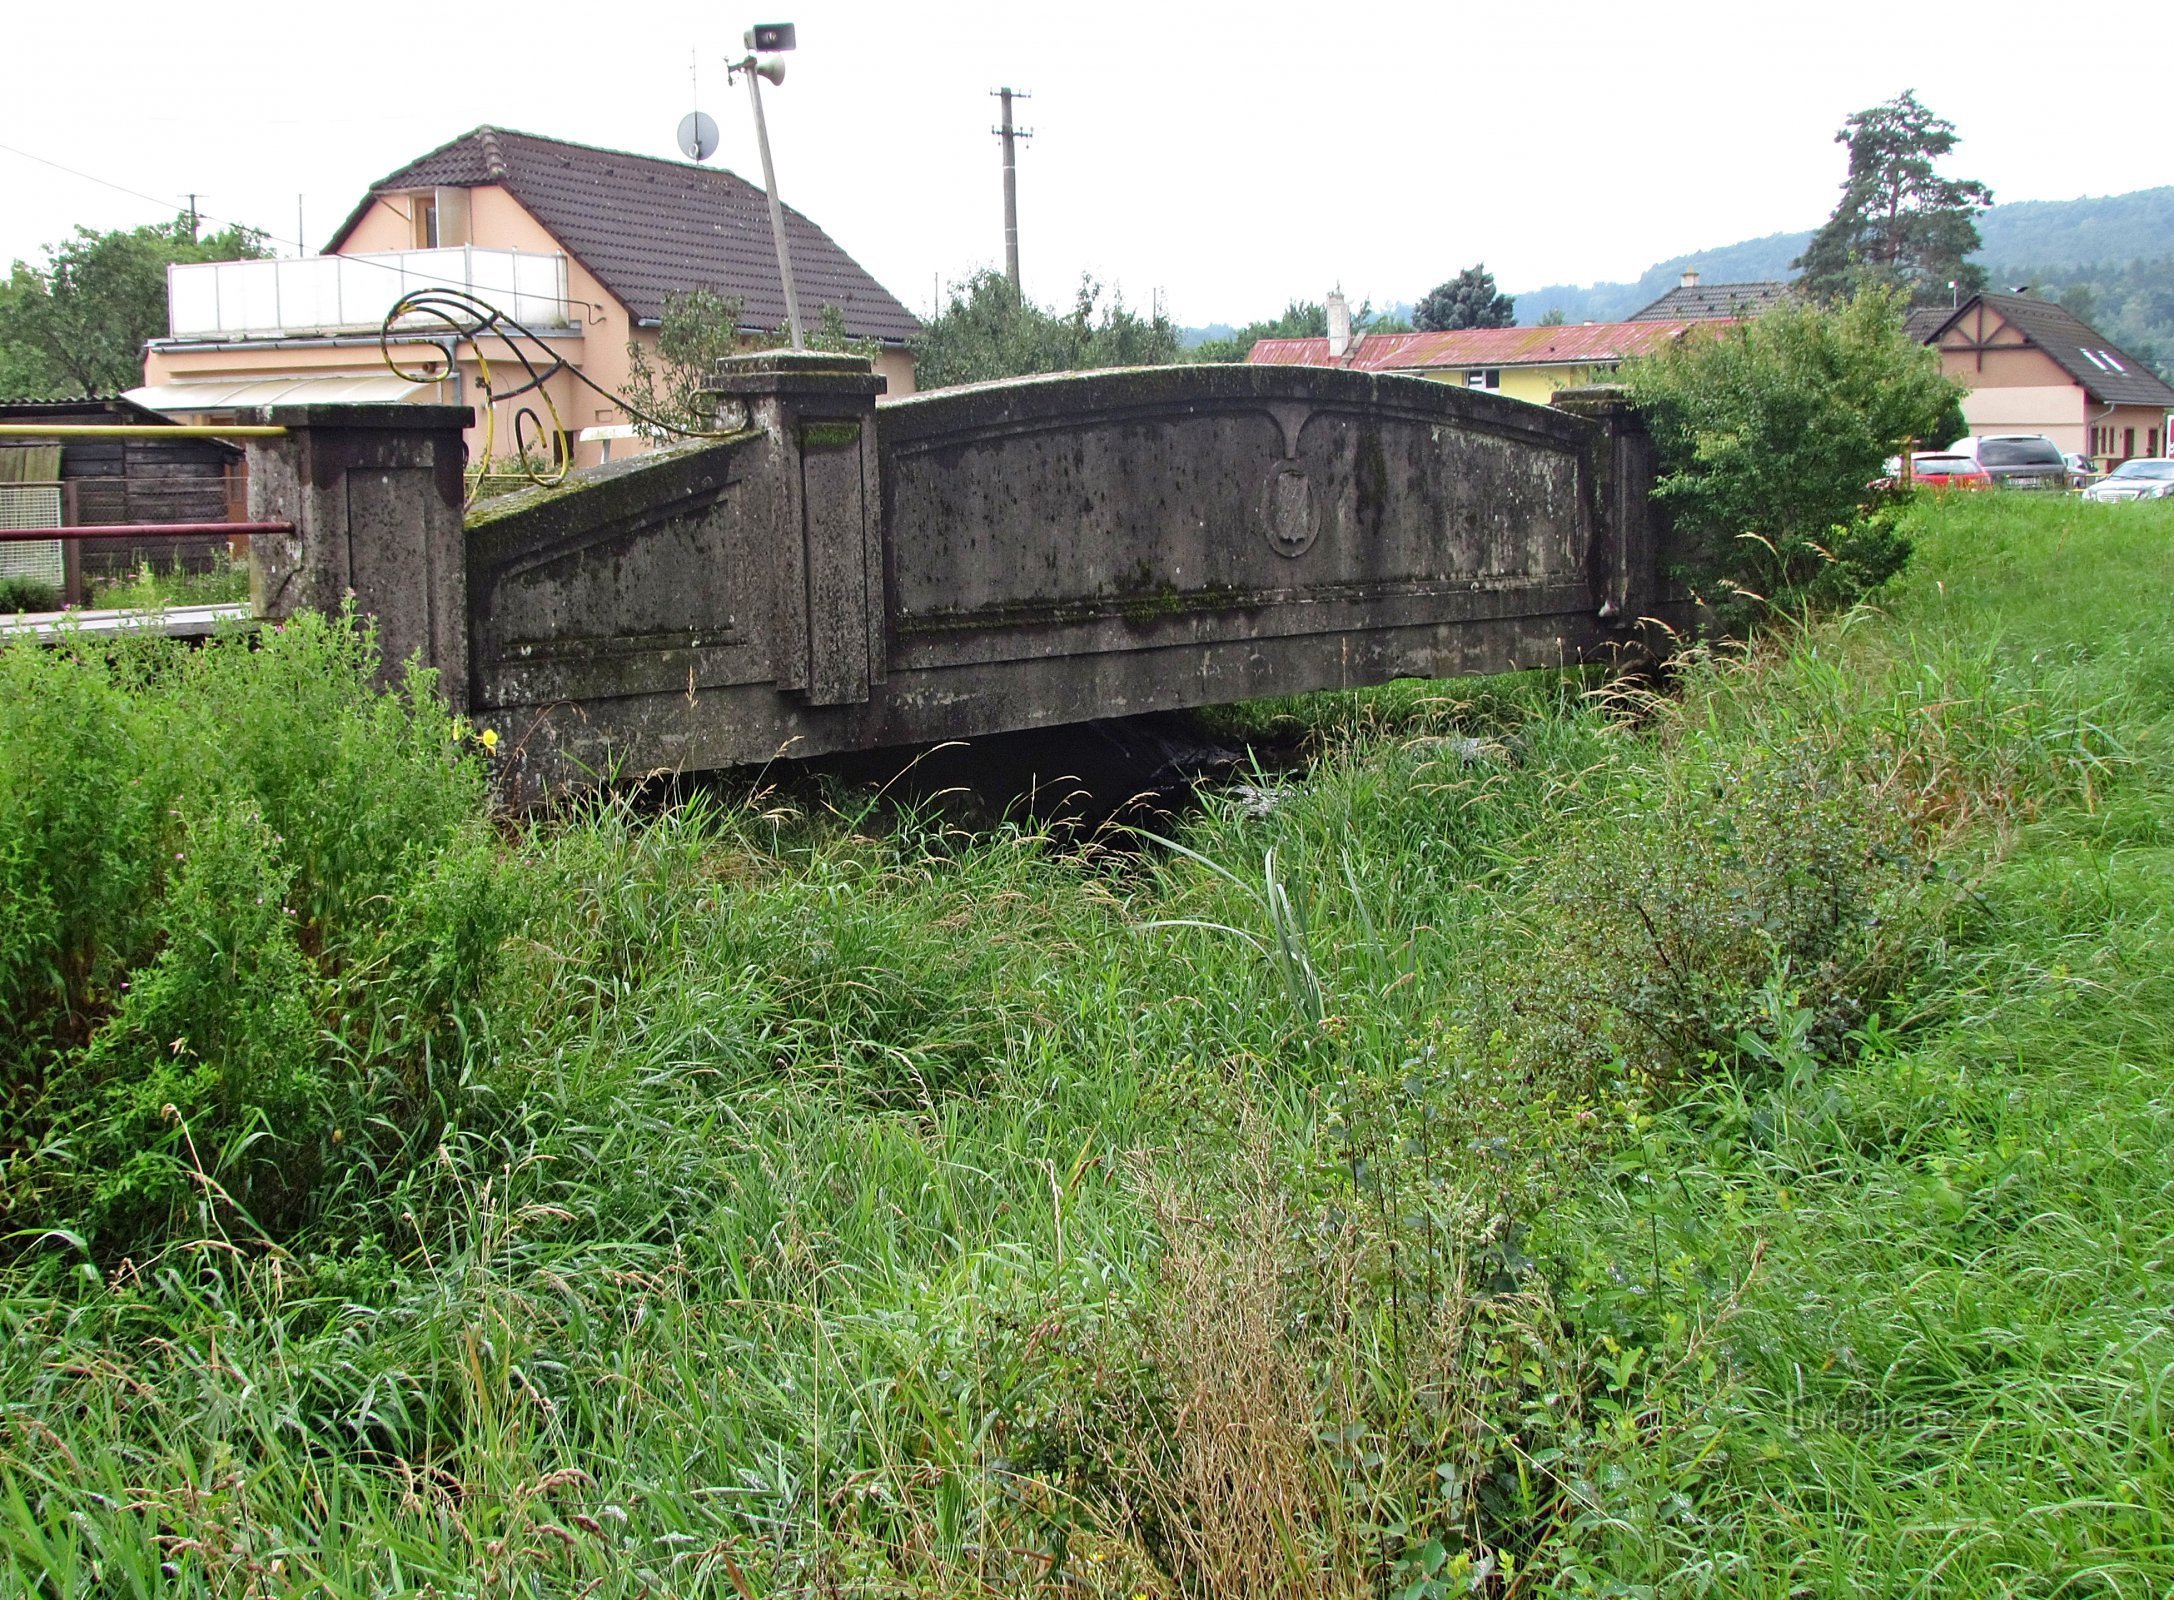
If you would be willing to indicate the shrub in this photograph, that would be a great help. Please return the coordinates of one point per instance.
(1770, 432)
(245, 895)
(27, 594)
(218, 1033)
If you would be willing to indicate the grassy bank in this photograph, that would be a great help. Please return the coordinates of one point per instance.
(1627, 1147)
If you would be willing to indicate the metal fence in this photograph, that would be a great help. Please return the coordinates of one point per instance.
(42, 561)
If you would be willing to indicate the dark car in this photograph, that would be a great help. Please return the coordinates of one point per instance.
(2016, 460)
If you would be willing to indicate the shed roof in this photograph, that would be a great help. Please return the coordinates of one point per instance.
(2105, 371)
(1705, 302)
(646, 226)
(1566, 344)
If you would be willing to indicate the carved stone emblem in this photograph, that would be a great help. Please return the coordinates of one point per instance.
(1288, 512)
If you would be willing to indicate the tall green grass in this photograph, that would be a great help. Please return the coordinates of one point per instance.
(1512, 1152)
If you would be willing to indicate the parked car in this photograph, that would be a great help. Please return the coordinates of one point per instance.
(2016, 460)
(2145, 478)
(1936, 469)
(2080, 470)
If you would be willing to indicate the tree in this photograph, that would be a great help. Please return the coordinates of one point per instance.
(1301, 319)
(989, 330)
(1899, 224)
(1769, 431)
(700, 328)
(78, 323)
(1469, 300)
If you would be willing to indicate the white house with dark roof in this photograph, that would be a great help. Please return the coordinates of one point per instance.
(2033, 367)
(577, 244)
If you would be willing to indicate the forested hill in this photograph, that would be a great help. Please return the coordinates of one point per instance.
(2055, 237)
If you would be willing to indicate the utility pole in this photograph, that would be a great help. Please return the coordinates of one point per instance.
(1010, 136)
(192, 216)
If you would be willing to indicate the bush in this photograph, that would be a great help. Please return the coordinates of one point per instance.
(244, 895)
(27, 594)
(990, 331)
(1770, 432)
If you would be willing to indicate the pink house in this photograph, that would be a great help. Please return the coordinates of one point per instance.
(577, 244)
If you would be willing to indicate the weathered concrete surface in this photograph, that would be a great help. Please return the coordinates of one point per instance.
(830, 575)
(374, 493)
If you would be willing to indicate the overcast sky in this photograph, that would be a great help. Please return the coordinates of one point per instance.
(1223, 157)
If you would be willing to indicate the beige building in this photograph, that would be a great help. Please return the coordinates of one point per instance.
(578, 245)
(2032, 367)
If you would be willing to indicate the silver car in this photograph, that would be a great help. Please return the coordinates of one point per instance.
(2144, 478)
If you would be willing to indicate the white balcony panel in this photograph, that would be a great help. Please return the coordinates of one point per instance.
(328, 294)
(192, 302)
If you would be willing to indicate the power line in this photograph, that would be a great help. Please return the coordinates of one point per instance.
(196, 216)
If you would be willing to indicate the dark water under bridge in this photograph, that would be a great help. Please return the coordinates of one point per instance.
(830, 574)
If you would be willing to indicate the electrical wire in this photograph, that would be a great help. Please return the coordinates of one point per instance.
(466, 317)
(243, 227)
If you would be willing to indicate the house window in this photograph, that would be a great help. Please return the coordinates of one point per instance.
(1483, 378)
(426, 222)
(2128, 441)
(2151, 441)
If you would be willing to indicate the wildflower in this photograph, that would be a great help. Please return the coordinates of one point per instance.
(488, 738)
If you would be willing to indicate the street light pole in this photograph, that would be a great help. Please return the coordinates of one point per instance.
(775, 72)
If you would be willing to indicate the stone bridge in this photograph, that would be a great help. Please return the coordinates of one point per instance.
(830, 574)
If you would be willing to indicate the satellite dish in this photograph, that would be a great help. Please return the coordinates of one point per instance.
(697, 136)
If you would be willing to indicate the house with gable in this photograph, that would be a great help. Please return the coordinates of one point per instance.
(2034, 367)
(579, 245)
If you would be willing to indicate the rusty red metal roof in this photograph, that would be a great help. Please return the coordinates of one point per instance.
(1566, 344)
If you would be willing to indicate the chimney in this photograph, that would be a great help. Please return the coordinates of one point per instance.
(1690, 277)
(1339, 325)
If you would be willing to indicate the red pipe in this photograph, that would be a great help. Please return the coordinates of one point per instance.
(144, 530)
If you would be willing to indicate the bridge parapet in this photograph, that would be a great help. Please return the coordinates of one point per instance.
(827, 573)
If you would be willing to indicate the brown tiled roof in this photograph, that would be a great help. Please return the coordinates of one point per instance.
(1922, 322)
(645, 226)
(2106, 372)
(1704, 302)
(1563, 343)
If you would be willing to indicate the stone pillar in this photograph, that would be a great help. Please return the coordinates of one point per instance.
(817, 412)
(374, 493)
(1626, 467)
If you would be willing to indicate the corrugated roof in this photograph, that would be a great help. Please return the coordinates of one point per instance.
(2105, 371)
(1707, 302)
(645, 226)
(1582, 343)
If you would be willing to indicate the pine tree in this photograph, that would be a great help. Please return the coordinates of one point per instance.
(1469, 300)
(1899, 224)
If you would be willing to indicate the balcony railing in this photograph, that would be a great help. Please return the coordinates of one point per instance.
(333, 294)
